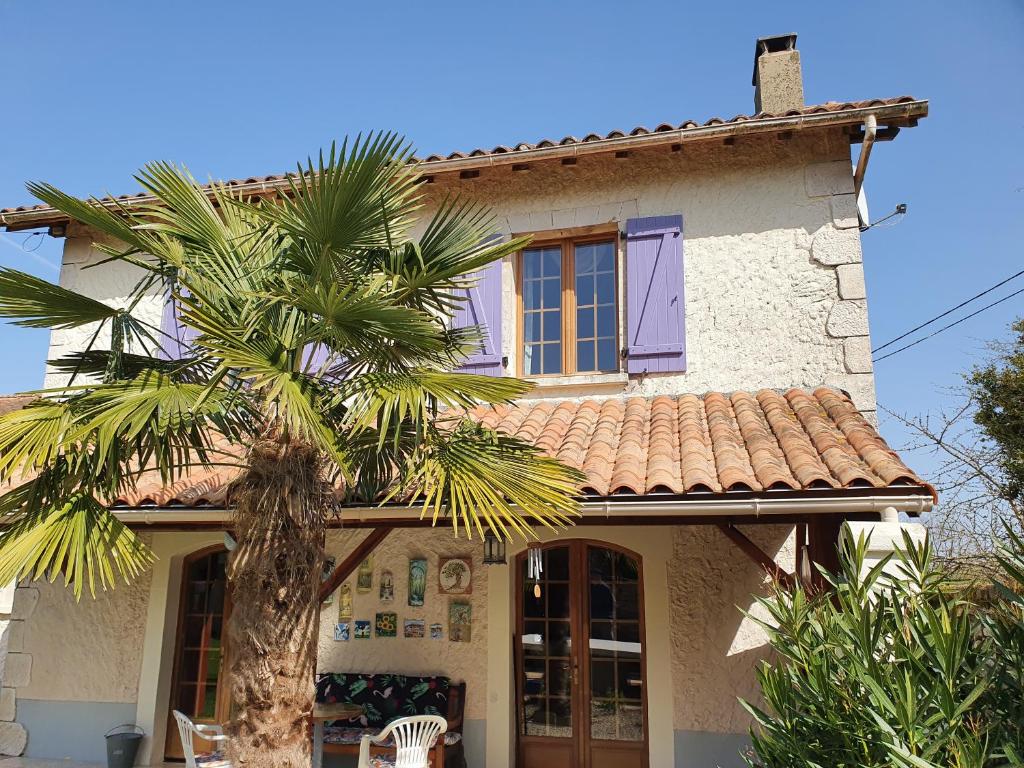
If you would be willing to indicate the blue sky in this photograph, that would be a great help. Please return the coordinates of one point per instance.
(93, 90)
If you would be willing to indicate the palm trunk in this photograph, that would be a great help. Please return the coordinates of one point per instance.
(274, 575)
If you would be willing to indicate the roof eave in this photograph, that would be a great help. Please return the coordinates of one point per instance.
(898, 115)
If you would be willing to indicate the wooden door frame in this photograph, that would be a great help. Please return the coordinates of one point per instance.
(579, 627)
(223, 693)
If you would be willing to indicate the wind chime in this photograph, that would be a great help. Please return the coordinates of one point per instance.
(534, 567)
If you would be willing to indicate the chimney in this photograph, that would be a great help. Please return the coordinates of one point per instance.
(778, 82)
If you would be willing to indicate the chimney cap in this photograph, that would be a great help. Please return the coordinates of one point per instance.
(772, 44)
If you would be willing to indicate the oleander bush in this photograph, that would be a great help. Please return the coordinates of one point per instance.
(898, 665)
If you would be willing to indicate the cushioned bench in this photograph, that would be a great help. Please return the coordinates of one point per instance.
(387, 697)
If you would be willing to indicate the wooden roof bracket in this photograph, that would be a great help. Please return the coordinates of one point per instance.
(758, 555)
(345, 568)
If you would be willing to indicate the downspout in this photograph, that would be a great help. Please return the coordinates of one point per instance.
(870, 131)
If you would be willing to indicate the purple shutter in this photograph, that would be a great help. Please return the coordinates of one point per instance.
(483, 308)
(178, 338)
(655, 314)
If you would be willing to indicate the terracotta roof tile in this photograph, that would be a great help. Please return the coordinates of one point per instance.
(797, 440)
(501, 149)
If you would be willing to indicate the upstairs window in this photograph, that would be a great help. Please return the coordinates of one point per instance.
(568, 307)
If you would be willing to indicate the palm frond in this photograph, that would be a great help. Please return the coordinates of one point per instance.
(79, 538)
(355, 198)
(482, 479)
(362, 317)
(36, 303)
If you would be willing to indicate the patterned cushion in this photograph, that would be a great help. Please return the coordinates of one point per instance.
(382, 761)
(340, 734)
(334, 734)
(384, 697)
(212, 760)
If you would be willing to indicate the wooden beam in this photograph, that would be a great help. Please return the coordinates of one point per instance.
(352, 561)
(755, 553)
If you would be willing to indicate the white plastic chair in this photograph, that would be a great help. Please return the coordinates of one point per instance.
(187, 730)
(414, 738)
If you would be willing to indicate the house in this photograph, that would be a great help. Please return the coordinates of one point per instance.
(692, 309)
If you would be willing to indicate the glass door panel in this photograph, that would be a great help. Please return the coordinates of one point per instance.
(196, 685)
(546, 638)
(581, 705)
(615, 647)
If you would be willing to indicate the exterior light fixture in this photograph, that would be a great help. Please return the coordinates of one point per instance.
(494, 549)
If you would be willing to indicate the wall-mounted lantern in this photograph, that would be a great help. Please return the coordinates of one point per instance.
(494, 549)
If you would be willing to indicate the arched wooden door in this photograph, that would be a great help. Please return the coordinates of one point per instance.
(580, 665)
(198, 686)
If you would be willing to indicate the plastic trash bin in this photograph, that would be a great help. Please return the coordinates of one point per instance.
(123, 746)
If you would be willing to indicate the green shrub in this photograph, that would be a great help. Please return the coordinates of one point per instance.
(896, 666)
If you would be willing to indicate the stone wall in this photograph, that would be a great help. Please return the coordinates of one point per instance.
(774, 285)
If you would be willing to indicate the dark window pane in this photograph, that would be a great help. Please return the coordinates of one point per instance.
(535, 716)
(199, 570)
(601, 630)
(602, 678)
(552, 358)
(534, 633)
(558, 600)
(558, 638)
(533, 607)
(532, 359)
(605, 257)
(630, 680)
(602, 604)
(606, 357)
(556, 563)
(196, 597)
(552, 293)
(189, 666)
(215, 603)
(584, 290)
(552, 326)
(602, 564)
(552, 262)
(626, 605)
(531, 326)
(187, 699)
(606, 321)
(585, 323)
(627, 631)
(605, 288)
(559, 678)
(194, 631)
(627, 569)
(585, 356)
(533, 673)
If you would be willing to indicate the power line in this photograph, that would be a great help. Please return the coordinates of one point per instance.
(947, 312)
(947, 327)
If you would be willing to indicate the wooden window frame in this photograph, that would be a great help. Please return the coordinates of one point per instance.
(566, 243)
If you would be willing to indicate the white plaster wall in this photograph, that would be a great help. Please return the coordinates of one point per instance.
(110, 283)
(414, 656)
(773, 285)
(714, 646)
(85, 651)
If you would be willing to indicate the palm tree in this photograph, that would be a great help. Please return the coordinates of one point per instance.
(313, 354)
